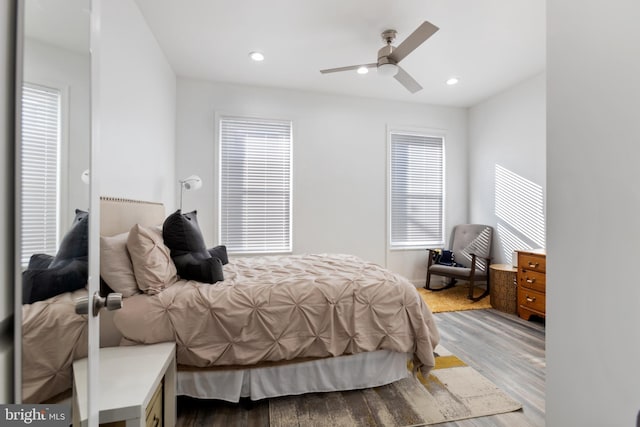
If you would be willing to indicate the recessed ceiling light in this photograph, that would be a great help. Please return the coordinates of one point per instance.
(453, 81)
(363, 70)
(256, 56)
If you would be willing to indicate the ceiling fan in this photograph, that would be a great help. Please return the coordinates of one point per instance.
(389, 56)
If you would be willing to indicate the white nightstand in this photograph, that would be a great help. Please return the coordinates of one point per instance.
(137, 386)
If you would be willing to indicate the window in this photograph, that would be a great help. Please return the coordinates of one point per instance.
(416, 190)
(40, 153)
(255, 185)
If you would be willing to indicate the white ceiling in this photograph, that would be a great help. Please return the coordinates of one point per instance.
(63, 23)
(489, 44)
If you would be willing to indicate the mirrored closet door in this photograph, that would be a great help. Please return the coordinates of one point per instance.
(52, 161)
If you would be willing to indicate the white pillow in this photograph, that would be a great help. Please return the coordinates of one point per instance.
(152, 264)
(115, 265)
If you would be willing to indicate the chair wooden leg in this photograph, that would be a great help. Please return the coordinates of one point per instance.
(482, 295)
(449, 285)
(426, 285)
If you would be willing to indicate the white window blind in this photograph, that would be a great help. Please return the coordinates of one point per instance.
(416, 190)
(40, 170)
(255, 185)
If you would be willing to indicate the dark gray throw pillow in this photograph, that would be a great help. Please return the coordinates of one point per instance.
(220, 252)
(40, 261)
(47, 276)
(202, 270)
(75, 243)
(41, 284)
(182, 235)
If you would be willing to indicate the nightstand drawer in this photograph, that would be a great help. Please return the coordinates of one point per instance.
(532, 262)
(531, 300)
(532, 280)
(154, 410)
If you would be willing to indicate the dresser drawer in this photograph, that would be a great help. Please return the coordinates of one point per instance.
(531, 300)
(155, 409)
(532, 262)
(532, 280)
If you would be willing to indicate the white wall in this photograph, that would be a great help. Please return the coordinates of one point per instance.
(71, 73)
(7, 86)
(507, 139)
(137, 108)
(339, 163)
(593, 205)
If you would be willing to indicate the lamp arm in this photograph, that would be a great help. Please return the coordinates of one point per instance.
(192, 182)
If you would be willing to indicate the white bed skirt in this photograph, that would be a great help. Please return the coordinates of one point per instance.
(362, 370)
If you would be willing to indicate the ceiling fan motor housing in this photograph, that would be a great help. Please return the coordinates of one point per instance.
(383, 54)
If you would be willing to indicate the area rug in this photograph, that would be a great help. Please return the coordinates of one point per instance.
(453, 391)
(453, 299)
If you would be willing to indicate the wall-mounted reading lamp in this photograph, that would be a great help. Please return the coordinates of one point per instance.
(192, 182)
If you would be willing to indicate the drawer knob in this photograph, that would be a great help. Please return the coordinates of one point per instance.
(531, 299)
(533, 264)
(530, 280)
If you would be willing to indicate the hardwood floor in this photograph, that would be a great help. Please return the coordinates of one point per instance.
(508, 351)
(504, 348)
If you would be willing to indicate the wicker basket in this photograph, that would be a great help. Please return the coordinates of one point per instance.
(503, 294)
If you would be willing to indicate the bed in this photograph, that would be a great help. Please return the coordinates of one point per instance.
(277, 325)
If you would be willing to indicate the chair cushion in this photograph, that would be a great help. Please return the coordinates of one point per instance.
(467, 239)
(458, 272)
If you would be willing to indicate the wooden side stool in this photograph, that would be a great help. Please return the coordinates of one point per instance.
(504, 288)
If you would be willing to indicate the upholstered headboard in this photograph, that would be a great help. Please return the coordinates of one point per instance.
(119, 215)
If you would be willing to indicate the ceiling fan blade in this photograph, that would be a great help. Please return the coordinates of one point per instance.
(419, 36)
(407, 81)
(351, 67)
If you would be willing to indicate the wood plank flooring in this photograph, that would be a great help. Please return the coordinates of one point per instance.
(507, 350)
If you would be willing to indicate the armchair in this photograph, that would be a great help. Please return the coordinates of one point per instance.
(471, 247)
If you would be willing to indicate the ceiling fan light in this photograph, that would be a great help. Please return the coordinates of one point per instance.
(387, 70)
(363, 70)
(452, 81)
(256, 56)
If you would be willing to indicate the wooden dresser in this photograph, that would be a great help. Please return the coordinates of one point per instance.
(532, 283)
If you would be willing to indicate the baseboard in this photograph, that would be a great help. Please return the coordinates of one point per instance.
(418, 283)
